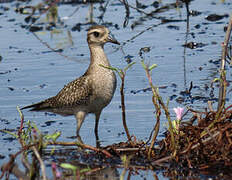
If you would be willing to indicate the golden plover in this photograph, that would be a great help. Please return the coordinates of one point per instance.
(91, 92)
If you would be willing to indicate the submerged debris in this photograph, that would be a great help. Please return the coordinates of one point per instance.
(194, 45)
(216, 17)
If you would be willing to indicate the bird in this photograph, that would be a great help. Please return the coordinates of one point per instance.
(91, 92)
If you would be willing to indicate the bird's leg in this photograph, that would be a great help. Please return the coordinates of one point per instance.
(96, 128)
(80, 116)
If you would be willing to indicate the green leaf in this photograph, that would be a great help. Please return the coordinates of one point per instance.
(152, 67)
(124, 158)
(109, 67)
(52, 151)
(85, 170)
(8, 132)
(53, 136)
(129, 65)
(68, 166)
(216, 79)
(175, 124)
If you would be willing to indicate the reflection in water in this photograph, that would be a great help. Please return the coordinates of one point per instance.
(186, 40)
(90, 14)
(95, 173)
(107, 173)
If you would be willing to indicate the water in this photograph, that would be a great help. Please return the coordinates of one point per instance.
(31, 72)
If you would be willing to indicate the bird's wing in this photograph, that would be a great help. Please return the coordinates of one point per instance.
(74, 93)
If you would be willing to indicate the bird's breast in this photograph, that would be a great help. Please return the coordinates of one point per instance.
(104, 85)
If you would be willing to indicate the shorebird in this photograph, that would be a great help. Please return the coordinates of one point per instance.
(91, 92)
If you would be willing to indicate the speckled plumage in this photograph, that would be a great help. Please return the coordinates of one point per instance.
(89, 93)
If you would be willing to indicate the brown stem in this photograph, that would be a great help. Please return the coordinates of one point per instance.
(123, 107)
(157, 126)
(157, 100)
(85, 146)
(222, 89)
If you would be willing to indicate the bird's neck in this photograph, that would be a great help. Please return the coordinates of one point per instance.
(97, 57)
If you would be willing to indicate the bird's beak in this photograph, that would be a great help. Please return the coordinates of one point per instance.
(112, 40)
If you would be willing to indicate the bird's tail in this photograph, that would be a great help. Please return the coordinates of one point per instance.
(43, 105)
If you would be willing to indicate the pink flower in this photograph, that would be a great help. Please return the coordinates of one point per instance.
(57, 172)
(179, 112)
(53, 165)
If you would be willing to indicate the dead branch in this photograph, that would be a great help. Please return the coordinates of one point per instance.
(84, 146)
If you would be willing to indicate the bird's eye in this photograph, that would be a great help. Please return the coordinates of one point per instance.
(96, 34)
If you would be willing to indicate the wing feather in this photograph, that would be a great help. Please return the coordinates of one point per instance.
(75, 93)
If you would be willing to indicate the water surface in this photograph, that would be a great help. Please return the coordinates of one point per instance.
(31, 72)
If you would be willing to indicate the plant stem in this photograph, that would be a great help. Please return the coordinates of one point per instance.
(42, 166)
(222, 89)
(157, 126)
(158, 112)
(122, 76)
(158, 102)
(21, 123)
